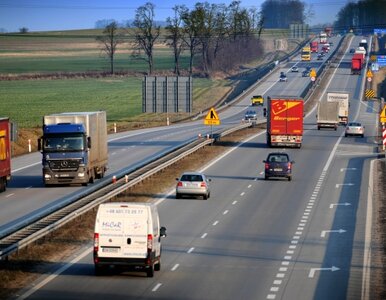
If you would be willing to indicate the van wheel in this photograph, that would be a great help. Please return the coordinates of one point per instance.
(99, 270)
(157, 266)
(150, 271)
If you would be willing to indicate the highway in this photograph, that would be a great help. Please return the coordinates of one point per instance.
(253, 239)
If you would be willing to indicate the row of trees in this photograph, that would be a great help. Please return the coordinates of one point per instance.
(220, 36)
(364, 14)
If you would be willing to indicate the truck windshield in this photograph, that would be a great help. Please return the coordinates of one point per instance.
(59, 143)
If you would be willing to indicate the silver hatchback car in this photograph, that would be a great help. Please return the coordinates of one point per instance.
(193, 184)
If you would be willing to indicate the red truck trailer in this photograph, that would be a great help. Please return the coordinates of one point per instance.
(5, 153)
(285, 121)
(357, 61)
(314, 46)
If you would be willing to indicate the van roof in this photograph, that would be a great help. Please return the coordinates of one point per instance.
(126, 204)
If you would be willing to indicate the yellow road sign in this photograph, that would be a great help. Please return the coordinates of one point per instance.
(212, 118)
(369, 74)
(382, 115)
(313, 73)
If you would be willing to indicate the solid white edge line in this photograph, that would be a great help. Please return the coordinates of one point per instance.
(367, 247)
(54, 275)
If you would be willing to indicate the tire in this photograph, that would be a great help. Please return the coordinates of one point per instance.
(99, 271)
(205, 196)
(150, 271)
(289, 178)
(178, 196)
(345, 135)
(266, 177)
(362, 135)
(2, 184)
(157, 266)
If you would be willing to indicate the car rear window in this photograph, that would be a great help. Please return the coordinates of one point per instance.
(278, 158)
(188, 177)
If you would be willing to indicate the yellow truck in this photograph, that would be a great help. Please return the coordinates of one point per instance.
(257, 100)
(306, 53)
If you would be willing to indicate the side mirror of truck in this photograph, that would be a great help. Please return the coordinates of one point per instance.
(265, 112)
(162, 232)
(88, 142)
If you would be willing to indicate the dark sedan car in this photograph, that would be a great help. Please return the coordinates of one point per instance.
(278, 164)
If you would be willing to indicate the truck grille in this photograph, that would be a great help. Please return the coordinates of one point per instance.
(64, 165)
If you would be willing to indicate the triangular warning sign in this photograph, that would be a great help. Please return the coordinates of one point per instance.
(383, 113)
(212, 115)
(212, 118)
(369, 74)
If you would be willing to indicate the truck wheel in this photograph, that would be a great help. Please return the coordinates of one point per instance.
(2, 184)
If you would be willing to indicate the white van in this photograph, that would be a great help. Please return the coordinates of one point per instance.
(128, 235)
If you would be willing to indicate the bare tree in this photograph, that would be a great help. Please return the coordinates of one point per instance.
(191, 35)
(110, 41)
(146, 32)
(175, 36)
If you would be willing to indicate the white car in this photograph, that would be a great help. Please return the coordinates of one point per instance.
(294, 69)
(355, 128)
(193, 184)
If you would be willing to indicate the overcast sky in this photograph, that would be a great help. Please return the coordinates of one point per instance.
(47, 15)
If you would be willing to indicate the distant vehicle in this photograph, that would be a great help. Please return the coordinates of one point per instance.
(314, 45)
(284, 121)
(363, 43)
(331, 43)
(306, 73)
(294, 69)
(344, 104)
(250, 115)
(283, 77)
(193, 184)
(308, 68)
(127, 235)
(354, 128)
(306, 53)
(357, 62)
(257, 100)
(278, 164)
(319, 57)
(352, 50)
(328, 115)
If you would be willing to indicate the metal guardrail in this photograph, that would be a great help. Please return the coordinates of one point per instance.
(39, 226)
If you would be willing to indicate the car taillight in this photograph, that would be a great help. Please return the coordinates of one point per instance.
(149, 248)
(96, 242)
(266, 166)
(179, 183)
(149, 242)
(203, 184)
(289, 166)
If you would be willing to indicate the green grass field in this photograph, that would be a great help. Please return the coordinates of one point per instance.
(26, 101)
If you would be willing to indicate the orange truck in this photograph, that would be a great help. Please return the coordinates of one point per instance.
(5, 153)
(285, 121)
